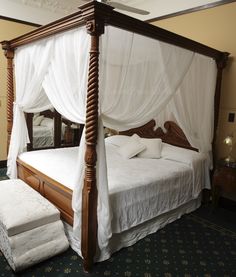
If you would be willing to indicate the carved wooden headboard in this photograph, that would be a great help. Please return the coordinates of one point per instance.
(173, 134)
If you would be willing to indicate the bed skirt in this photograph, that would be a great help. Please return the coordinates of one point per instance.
(130, 237)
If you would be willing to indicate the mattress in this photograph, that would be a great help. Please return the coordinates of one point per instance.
(59, 164)
(139, 189)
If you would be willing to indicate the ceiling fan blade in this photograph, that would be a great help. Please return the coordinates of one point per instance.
(127, 8)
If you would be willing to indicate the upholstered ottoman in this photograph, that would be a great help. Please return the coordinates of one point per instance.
(30, 227)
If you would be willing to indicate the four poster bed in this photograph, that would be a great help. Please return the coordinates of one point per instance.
(105, 216)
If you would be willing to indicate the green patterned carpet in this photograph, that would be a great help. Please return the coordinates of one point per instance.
(199, 244)
(3, 174)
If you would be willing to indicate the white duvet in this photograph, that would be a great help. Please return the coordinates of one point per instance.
(139, 189)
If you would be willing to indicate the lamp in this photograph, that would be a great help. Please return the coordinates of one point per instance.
(229, 142)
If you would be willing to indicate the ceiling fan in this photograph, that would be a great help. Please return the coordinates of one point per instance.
(121, 6)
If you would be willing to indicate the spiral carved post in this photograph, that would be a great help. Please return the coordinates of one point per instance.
(89, 195)
(9, 53)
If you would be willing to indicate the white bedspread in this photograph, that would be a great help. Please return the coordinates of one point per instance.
(140, 189)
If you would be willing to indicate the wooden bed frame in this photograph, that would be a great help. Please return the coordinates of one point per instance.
(95, 16)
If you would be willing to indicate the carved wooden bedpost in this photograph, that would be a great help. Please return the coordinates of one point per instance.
(95, 27)
(9, 53)
(221, 64)
(89, 202)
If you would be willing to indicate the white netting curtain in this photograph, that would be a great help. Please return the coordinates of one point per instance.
(57, 60)
(135, 68)
(192, 106)
(66, 80)
(31, 65)
(139, 76)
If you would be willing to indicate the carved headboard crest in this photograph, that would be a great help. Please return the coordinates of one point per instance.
(173, 134)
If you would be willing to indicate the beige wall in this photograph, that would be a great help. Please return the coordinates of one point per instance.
(8, 30)
(214, 27)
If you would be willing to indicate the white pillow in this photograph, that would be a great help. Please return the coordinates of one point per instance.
(37, 120)
(47, 122)
(117, 140)
(153, 148)
(131, 148)
(174, 153)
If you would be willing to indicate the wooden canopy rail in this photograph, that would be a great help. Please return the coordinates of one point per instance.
(95, 16)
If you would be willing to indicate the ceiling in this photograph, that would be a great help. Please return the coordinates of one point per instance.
(44, 11)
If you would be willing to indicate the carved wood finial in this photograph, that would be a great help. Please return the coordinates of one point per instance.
(95, 27)
(8, 51)
(95, 15)
(222, 61)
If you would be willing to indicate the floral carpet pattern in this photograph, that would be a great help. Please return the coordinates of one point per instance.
(193, 246)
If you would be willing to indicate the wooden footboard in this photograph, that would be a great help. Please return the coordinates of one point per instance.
(55, 192)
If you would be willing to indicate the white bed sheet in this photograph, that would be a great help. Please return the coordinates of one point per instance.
(59, 164)
(140, 189)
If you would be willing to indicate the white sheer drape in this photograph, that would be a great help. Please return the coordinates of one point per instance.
(134, 68)
(193, 103)
(139, 76)
(192, 106)
(66, 81)
(31, 65)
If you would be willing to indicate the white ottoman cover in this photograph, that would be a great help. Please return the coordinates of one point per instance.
(30, 227)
